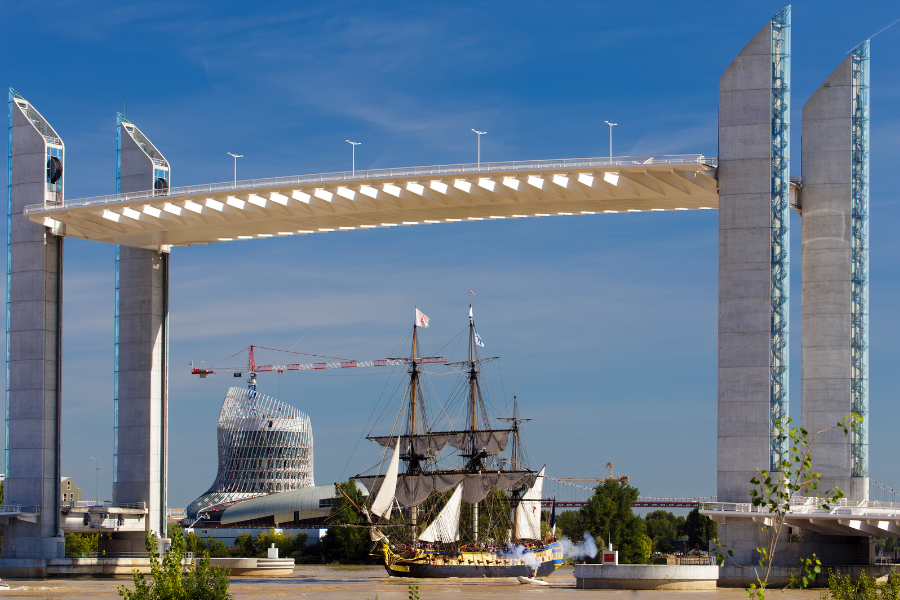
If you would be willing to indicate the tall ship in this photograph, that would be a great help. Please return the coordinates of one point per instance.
(453, 495)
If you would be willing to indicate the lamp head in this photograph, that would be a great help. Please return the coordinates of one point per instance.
(354, 143)
(479, 132)
(610, 124)
(235, 155)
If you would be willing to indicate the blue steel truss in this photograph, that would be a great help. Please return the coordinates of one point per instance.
(859, 257)
(780, 237)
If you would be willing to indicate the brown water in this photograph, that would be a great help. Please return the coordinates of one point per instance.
(364, 583)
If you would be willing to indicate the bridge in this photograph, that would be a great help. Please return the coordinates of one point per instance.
(380, 198)
(639, 503)
(749, 182)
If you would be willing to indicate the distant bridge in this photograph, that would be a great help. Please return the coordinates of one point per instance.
(639, 503)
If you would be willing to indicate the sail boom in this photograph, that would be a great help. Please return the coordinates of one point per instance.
(492, 441)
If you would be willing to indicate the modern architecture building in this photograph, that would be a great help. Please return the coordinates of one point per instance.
(265, 446)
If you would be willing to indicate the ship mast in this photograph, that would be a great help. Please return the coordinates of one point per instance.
(473, 378)
(515, 496)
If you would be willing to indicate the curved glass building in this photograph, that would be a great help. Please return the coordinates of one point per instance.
(265, 446)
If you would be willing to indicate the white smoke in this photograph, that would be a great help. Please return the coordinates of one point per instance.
(586, 548)
(519, 554)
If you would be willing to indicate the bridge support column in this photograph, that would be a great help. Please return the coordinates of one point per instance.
(34, 267)
(835, 292)
(754, 203)
(141, 351)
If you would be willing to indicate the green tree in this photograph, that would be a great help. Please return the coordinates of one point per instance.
(699, 529)
(347, 544)
(81, 543)
(570, 524)
(170, 580)
(663, 527)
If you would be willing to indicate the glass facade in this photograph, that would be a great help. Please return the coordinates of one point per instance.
(265, 446)
(859, 259)
(780, 220)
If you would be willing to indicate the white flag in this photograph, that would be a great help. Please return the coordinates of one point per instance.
(421, 319)
(478, 341)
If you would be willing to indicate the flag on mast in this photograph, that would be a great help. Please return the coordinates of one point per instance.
(421, 319)
(471, 292)
(552, 522)
(478, 341)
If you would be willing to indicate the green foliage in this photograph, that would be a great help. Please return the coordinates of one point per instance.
(699, 530)
(81, 543)
(842, 587)
(169, 580)
(414, 592)
(663, 527)
(774, 491)
(608, 516)
(346, 544)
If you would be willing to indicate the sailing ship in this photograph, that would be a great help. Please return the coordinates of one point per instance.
(486, 499)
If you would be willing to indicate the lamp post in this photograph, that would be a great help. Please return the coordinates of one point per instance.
(353, 154)
(611, 125)
(480, 133)
(236, 156)
(98, 476)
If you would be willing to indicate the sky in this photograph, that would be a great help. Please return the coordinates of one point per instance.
(605, 325)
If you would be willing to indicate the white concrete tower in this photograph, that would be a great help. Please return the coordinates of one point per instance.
(754, 204)
(835, 291)
(141, 348)
(34, 266)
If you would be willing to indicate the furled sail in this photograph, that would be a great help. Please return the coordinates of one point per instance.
(492, 441)
(381, 506)
(445, 528)
(411, 490)
(528, 511)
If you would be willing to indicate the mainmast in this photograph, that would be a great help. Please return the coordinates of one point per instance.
(516, 495)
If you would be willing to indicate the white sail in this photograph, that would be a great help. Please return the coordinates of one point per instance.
(445, 528)
(381, 506)
(528, 512)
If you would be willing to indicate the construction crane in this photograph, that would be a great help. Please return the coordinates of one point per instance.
(252, 368)
(622, 478)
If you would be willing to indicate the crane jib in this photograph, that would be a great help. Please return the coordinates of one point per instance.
(344, 364)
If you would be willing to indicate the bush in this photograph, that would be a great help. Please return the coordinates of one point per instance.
(842, 587)
(169, 581)
(81, 543)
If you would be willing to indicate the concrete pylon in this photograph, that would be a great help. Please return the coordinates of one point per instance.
(834, 365)
(33, 341)
(141, 350)
(754, 205)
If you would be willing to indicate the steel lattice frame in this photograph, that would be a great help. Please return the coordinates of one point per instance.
(780, 237)
(265, 446)
(859, 257)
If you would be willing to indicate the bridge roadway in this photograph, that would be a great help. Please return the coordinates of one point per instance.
(301, 205)
(639, 503)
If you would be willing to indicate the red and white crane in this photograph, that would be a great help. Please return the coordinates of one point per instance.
(335, 363)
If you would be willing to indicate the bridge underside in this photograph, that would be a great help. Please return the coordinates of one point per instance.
(269, 208)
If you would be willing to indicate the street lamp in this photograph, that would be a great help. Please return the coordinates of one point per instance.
(98, 476)
(480, 133)
(611, 125)
(353, 154)
(236, 156)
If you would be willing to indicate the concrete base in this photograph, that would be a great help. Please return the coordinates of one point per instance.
(646, 577)
(25, 568)
(255, 567)
(734, 576)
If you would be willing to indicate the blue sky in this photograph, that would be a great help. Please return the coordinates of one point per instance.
(606, 324)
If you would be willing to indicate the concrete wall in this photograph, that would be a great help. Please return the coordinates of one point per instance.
(827, 273)
(143, 360)
(35, 334)
(745, 138)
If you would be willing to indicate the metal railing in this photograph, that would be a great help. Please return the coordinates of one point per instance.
(104, 504)
(53, 140)
(430, 171)
(802, 506)
(18, 509)
(113, 555)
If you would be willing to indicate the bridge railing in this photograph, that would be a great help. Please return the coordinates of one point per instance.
(806, 506)
(460, 169)
(103, 504)
(18, 509)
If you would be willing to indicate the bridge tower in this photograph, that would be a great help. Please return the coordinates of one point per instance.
(754, 242)
(34, 269)
(140, 349)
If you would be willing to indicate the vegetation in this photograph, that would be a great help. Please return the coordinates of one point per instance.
(699, 530)
(775, 490)
(842, 587)
(170, 580)
(664, 528)
(81, 543)
(345, 544)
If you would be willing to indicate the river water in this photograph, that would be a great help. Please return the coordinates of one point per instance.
(365, 583)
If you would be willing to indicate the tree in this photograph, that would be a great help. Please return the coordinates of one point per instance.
(607, 516)
(78, 544)
(347, 544)
(699, 529)
(663, 527)
(169, 580)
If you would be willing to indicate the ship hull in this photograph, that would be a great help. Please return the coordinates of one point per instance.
(432, 564)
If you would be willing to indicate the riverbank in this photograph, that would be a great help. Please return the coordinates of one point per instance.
(361, 582)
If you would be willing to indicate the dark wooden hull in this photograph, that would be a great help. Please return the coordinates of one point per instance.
(430, 564)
